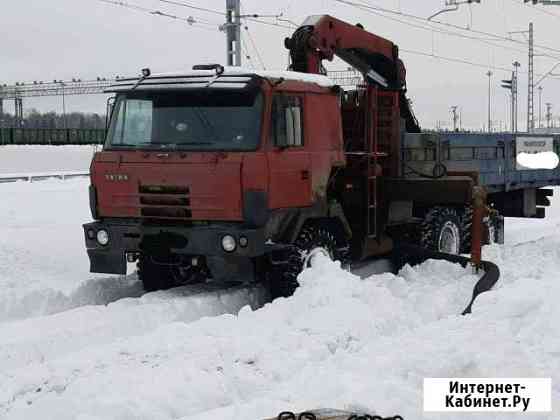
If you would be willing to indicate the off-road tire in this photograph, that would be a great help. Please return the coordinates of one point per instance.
(456, 222)
(154, 276)
(466, 229)
(327, 235)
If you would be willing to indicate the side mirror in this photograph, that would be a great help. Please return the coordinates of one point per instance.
(109, 114)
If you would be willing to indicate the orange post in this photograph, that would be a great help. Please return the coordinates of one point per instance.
(479, 211)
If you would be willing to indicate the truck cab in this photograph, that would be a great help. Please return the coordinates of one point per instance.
(202, 172)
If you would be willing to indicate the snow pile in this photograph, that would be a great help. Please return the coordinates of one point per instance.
(37, 158)
(43, 264)
(340, 341)
(44, 268)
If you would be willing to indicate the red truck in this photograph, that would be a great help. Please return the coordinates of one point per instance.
(230, 174)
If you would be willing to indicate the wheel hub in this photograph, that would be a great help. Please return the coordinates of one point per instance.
(449, 239)
(309, 257)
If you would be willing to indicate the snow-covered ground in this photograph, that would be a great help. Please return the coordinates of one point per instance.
(67, 352)
(38, 158)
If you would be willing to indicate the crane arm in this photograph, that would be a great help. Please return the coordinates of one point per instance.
(324, 37)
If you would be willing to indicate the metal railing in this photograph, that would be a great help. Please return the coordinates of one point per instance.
(42, 176)
(346, 78)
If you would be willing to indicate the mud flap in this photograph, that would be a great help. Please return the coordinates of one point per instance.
(414, 255)
(106, 262)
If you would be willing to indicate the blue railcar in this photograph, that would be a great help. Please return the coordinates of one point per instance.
(514, 190)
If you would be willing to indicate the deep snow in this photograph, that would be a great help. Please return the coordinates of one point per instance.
(339, 342)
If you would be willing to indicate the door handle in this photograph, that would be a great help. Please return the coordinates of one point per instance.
(304, 175)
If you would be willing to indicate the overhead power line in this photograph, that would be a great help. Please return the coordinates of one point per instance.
(253, 17)
(496, 37)
(193, 7)
(261, 61)
(433, 55)
(431, 29)
(190, 20)
(456, 60)
(247, 54)
(264, 22)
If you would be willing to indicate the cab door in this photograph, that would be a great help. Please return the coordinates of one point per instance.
(289, 161)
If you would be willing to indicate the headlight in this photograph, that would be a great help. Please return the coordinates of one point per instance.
(91, 234)
(102, 237)
(243, 241)
(228, 243)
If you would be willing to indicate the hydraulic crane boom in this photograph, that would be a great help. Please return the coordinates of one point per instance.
(324, 37)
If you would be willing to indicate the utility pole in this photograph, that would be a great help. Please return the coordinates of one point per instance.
(233, 32)
(1, 121)
(512, 86)
(64, 106)
(531, 84)
(18, 104)
(489, 74)
(509, 85)
(548, 115)
(455, 116)
(540, 106)
(531, 80)
(516, 66)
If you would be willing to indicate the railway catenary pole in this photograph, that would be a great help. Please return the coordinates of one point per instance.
(455, 117)
(540, 106)
(489, 74)
(531, 83)
(1, 121)
(515, 91)
(18, 105)
(548, 115)
(63, 105)
(233, 32)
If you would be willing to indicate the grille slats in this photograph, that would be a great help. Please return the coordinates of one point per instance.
(165, 201)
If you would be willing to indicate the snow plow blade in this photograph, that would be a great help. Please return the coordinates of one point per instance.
(414, 255)
(329, 414)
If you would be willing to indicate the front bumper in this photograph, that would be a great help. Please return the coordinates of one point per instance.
(176, 240)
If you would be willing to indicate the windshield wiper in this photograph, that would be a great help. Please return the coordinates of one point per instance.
(123, 145)
(152, 145)
(179, 145)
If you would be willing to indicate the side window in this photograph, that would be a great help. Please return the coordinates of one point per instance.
(287, 121)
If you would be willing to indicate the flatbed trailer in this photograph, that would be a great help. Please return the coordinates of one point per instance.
(513, 190)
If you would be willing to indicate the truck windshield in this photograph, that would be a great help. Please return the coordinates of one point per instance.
(205, 120)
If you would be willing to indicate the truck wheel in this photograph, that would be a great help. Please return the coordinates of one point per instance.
(444, 230)
(313, 236)
(466, 228)
(154, 276)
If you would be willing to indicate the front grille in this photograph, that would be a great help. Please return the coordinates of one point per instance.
(165, 201)
(164, 189)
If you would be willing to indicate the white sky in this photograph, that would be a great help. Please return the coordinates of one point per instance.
(62, 39)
